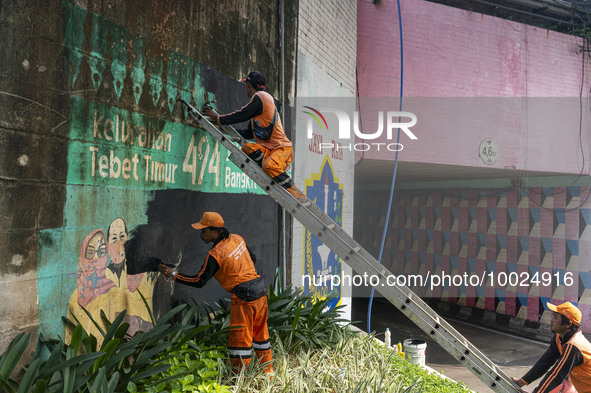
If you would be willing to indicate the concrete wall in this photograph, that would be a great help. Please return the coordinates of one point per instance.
(449, 52)
(325, 68)
(96, 152)
(475, 77)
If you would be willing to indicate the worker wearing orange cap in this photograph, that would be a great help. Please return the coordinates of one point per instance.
(271, 148)
(569, 355)
(231, 262)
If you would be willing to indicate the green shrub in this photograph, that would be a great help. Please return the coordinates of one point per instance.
(313, 351)
(166, 356)
(301, 322)
(356, 363)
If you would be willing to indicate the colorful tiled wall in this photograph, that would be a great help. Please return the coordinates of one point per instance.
(525, 246)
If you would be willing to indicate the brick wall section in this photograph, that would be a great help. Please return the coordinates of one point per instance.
(327, 34)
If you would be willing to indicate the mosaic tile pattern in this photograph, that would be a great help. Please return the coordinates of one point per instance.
(530, 246)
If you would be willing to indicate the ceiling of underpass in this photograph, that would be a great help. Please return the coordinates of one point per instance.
(571, 17)
(378, 173)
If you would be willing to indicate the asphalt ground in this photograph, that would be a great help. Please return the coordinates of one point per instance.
(513, 354)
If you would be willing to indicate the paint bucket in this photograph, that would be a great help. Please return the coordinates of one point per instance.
(415, 350)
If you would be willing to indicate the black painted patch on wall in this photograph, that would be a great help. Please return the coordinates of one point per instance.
(169, 236)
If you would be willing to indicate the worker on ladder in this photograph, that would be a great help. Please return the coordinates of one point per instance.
(272, 149)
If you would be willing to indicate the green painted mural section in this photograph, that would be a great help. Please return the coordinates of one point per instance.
(87, 208)
(73, 38)
(119, 41)
(114, 147)
(138, 62)
(156, 84)
(117, 158)
(98, 49)
(173, 72)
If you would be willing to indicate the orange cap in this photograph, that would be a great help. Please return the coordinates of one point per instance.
(210, 219)
(568, 310)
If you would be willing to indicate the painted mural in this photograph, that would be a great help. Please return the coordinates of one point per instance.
(530, 246)
(114, 147)
(324, 189)
(118, 157)
(104, 287)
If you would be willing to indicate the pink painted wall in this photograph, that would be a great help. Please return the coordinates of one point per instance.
(460, 57)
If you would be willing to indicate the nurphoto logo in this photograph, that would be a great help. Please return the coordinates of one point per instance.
(391, 119)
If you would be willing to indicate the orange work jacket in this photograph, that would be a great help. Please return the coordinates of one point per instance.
(236, 266)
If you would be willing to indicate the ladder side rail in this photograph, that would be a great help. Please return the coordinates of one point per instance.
(358, 258)
(372, 266)
(416, 310)
(439, 329)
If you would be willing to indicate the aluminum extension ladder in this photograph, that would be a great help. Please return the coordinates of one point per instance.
(334, 237)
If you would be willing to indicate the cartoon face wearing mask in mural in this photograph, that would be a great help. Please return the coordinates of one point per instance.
(91, 268)
(117, 236)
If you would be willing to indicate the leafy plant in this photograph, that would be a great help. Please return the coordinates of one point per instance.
(356, 363)
(192, 369)
(82, 367)
(301, 322)
(196, 355)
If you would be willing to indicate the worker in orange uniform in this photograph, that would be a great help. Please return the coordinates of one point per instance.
(272, 149)
(231, 262)
(569, 355)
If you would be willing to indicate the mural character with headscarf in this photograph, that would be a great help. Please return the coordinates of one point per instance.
(92, 283)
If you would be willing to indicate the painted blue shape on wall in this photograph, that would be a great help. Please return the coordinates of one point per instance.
(585, 279)
(573, 246)
(547, 243)
(535, 214)
(524, 241)
(491, 266)
(502, 240)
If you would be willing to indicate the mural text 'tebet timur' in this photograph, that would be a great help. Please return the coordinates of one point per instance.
(114, 146)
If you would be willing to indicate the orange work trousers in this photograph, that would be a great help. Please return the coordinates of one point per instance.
(274, 162)
(248, 329)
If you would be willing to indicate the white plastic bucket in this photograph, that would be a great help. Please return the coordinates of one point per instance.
(414, 350)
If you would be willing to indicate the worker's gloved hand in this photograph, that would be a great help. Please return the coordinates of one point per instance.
(165, 270)
(208, 111)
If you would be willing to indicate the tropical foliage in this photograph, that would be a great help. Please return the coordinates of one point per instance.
(313, 351)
